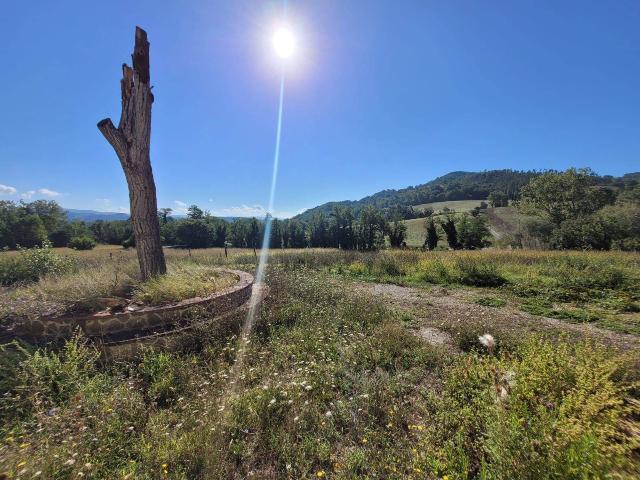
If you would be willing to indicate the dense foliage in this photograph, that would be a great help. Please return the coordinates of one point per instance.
(32, 264)
(573, 210)
(452, 186)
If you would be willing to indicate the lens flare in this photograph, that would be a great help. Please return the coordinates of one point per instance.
(284, 43)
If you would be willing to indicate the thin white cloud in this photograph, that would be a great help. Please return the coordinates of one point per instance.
(248, 211)
(7, 190)
(41, 192)
(179, 206)
(48, 193)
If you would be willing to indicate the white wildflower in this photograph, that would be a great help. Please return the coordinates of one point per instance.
(487, 340)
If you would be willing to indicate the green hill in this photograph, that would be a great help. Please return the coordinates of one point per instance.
(454, 186)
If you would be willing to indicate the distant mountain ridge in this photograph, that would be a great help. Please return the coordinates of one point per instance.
(95, 215)
(456, 185)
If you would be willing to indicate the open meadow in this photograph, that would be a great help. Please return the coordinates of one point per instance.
(366, 240)
(391, 364)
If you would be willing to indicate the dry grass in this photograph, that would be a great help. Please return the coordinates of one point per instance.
(333, 386)
(183, 281)
(98, 275)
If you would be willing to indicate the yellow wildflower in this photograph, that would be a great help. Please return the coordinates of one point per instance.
(320, 474)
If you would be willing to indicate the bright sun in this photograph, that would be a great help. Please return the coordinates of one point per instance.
(284, 43)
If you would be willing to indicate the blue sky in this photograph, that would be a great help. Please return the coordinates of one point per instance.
(381, 94)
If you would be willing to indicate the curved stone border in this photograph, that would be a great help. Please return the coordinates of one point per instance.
(145, 322)
(182, 337)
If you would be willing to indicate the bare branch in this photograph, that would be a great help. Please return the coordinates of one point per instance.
(114, 137)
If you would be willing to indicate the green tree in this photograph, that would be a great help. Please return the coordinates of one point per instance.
(371, 228)
(472, 231)
(449, 227)
(164, 215)
(341, 229)
(169, 233)
(195, 233)
(275, 240)
(253, 234)
(431, 242)
(317, 230)
(561, 196)
(498, 199)
(195, 213)
(52, 215)
(220, 233)
(397, 234)
(29, 231)
(82, 243)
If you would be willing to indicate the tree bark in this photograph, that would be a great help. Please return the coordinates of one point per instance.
(131, 142)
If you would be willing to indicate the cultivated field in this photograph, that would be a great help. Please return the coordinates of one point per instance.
(457, 205)
(397, 364)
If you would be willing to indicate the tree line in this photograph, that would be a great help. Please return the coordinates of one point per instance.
(340, 229)
(575, 209)
(31, 224)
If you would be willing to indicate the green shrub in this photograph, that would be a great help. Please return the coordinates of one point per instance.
(549, 411)
(33, 380)
(82, 243)
(389, 265)
(491, 302)
(357, 268)
(165, 376)
(32, 264)
(434, 271)
(478, 273)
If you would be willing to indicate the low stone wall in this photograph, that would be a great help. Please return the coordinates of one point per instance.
(189, 335)
(115, 331)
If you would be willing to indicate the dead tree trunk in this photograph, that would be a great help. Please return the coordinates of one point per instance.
(131, 141)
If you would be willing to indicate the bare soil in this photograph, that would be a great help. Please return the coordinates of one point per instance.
(442, 313)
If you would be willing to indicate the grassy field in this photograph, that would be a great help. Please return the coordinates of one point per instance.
(336, 382)
(416, 232)
(416, 227)
(457, 205)
(503, 222)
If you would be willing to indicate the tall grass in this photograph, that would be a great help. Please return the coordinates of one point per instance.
(333, 386)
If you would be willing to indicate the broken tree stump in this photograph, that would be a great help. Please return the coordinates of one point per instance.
(131, 142)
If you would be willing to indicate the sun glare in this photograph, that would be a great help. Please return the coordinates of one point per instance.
(284, 43)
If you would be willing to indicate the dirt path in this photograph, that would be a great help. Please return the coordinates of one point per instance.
(451, 310)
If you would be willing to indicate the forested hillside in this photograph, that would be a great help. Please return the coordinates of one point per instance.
(452, 186)
(455, 186)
